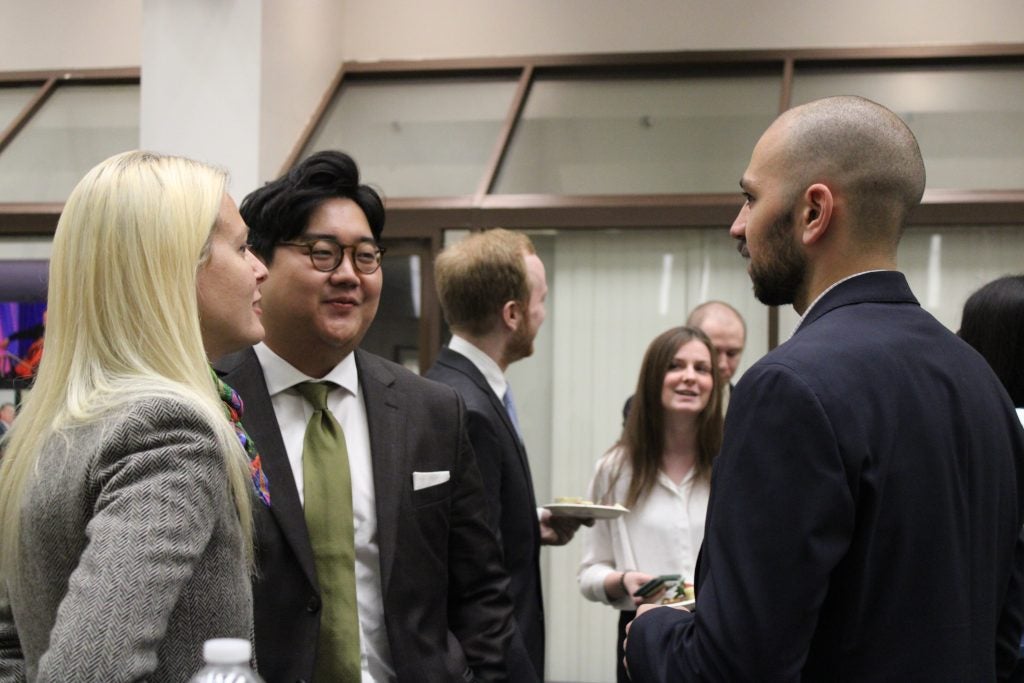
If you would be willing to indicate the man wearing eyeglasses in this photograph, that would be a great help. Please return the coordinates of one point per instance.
(375, 561)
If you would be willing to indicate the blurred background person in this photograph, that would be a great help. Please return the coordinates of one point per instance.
(125, 493)
(660, 469)
(6, 418)
(27, 366)
(993, 323)
(727, 330)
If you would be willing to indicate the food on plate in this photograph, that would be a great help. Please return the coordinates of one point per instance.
(575, 500)
(572, 500)
(684, 593)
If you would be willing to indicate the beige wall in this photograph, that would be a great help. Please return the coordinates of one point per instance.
(68, 34)
(392, 29)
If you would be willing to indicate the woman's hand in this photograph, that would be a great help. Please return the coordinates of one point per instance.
(620, 584)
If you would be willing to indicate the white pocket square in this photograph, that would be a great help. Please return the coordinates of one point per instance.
(424, 480)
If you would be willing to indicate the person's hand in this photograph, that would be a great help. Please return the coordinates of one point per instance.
(640, 611)
(558, 529)
(619, 585)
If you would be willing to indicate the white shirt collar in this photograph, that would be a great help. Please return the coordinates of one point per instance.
(829, 289)
(281, 375)
(484, 363)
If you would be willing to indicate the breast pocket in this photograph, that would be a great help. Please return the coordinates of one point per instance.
(430, 487)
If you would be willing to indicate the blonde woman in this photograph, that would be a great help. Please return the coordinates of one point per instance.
(661, 470)
(126, 489)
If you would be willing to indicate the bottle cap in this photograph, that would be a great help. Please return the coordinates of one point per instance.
(227, 651)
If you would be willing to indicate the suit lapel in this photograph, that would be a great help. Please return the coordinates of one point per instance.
(459, 363)
(384, 417)
(259, 419)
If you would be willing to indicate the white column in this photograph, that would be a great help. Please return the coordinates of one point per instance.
(201, 83)
(234, 82)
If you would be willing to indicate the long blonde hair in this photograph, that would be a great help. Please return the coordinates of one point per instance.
(123, 318)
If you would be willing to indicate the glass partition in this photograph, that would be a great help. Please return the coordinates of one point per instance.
(395, 333)
(77, 127)
(423, 137)
(969, 120)
(637, 135)
(945, 266)
(12, 101)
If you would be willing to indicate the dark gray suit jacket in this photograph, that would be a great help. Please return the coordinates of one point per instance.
(446, 607)
(509, 485)
(865, 513)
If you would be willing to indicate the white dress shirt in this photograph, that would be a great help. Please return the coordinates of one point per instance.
(346, 403)
(484, 363)
(661, 534)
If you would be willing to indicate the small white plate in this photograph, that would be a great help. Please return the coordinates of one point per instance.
(586, 511)
(688, 604)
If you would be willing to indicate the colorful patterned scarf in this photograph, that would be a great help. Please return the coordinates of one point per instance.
(233, 408)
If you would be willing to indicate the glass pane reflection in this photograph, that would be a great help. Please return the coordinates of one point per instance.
(12, 101)
(418, 137)
(78, 127)
(969, 121)
(395, 332)
(638, 135)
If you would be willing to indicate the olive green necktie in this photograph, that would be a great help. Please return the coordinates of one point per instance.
(328, 505)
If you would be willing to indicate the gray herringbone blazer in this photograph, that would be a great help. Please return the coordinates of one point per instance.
(131, 553)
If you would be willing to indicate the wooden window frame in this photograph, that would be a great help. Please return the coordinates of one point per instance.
(426, 218)
(40, 218)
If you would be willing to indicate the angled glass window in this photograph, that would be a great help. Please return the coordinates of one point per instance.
(969, 120)
(76, 128)
(638, 135)
(13, 100)
(425, 137)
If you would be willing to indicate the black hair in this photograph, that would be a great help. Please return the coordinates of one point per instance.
(993, 323)
(280, 210)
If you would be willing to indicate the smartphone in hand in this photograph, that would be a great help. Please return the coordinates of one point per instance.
(654, 584)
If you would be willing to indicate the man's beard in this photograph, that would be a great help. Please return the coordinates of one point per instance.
(782, 269)
(520, 344)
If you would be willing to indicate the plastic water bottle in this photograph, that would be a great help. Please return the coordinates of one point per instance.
(227, 661)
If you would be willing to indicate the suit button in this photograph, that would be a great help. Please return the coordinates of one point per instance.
(313, 605)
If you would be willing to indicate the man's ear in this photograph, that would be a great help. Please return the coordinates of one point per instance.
(816, 213)
(511, 314)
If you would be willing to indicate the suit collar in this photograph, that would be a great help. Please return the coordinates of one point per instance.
(484, 363)
(881, 286)
(459, 363)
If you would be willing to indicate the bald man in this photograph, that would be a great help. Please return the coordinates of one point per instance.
(866, 506)
(728, 332)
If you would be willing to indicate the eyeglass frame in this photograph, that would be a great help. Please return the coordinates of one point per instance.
(309, 244)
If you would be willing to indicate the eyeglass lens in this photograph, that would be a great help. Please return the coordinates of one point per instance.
(327, 255)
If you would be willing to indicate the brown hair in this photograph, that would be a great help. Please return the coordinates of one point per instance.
(477, 276)
(643, 437)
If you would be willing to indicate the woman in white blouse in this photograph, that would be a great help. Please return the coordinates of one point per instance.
(660, 469)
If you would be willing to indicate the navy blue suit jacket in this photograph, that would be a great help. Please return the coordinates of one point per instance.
(446, 605)
(865, 512)
(511, 502)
